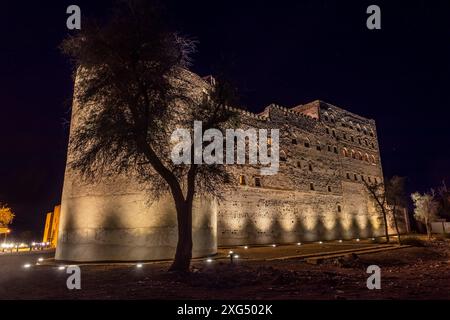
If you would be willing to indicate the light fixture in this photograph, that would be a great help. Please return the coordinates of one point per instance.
(41, 259)
(320, 242)
(246, 247)
(274, 245)
(139, 265)
(27, 266)
(357, 240)
(231, 252)
(340, 241)
(236, 256)
(209, 260)
(61, 268)
(373, 239)
(299, 243)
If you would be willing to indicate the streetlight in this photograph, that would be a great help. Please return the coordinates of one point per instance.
(6, 234)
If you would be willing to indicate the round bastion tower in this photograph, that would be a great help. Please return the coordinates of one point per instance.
(112, 219)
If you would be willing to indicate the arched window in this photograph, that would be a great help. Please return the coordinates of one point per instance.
(350, 125)
(329, 148)
(334, 133)
(318, 146)
(355, 177)
(311, 186)
(365, 130)
(345, 152)
(299, 164)
(371, 133)
(327, 130)
(370, 179)
(258, 182)
(358, 128)
(360, 156)
(332, 119)
(339, 208)
(294, 141)
(310, 167)
(335, 150)
(329, 189)
(353, 154)
(345, 136)
(359, 140)
(366, 157)
(242, 180)
(348, 175)
(373, 145)
(307, 143)
(372, 159)
(366, 142)
(283, 156)
(353, 139)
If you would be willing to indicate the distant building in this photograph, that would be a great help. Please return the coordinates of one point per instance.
(51, 227)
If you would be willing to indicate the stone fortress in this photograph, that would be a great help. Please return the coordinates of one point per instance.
(326, 153)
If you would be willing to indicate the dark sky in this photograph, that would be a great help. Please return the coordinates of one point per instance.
(287, 52)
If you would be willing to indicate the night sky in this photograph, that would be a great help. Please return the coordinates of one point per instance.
(284, 52)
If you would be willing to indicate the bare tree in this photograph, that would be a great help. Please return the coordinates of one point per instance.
(425, 209)
(396, 198)
(133, 90)
(387, 199)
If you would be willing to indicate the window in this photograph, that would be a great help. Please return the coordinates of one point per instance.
(327, 130)
(269, 141)
(339, 208)
(373, 145)
(345, 152)
(360, 156)
(283, 156)
(310, 167)
(299, 164)
(345, 136)
(332, 119)
(335, 150)
(329, 148)
(348, 175)
(355, 177)
(371, 133)
(366, 157)
(307, 143)
(311, 186)
(359, 140)
(362, 178)
(294, 141)
(376, 180)
(373, 160)
(353, 154)
(318, 147)
(258, 182)
(334, 133)
(326, 118)
(368, 178)
(366, 143)
(329, 189)
(351, 138)
(242, 181)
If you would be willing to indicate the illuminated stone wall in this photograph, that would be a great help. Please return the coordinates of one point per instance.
(318, 193)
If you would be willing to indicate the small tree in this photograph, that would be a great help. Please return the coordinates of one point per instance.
(425, 209)
(6, 215)
(377, 192)
(388, 198)
(396, 197)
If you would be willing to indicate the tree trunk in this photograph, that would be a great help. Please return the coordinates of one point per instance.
(396, 225)
(386, 231)
(183, 253)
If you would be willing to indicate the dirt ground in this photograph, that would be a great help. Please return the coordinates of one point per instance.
(410, 273)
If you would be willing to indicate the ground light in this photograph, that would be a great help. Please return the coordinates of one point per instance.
(41, 259)
(340, 241)
(61, 268)
(299, 243)
(209, 260)
(27, 266)
(139, 265)
(320, 242)
(274, 245)
(246, 247)
(358, 240)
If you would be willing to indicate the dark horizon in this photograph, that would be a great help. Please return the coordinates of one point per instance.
(286, 53)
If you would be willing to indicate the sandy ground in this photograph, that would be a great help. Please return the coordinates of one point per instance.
(410, 273)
